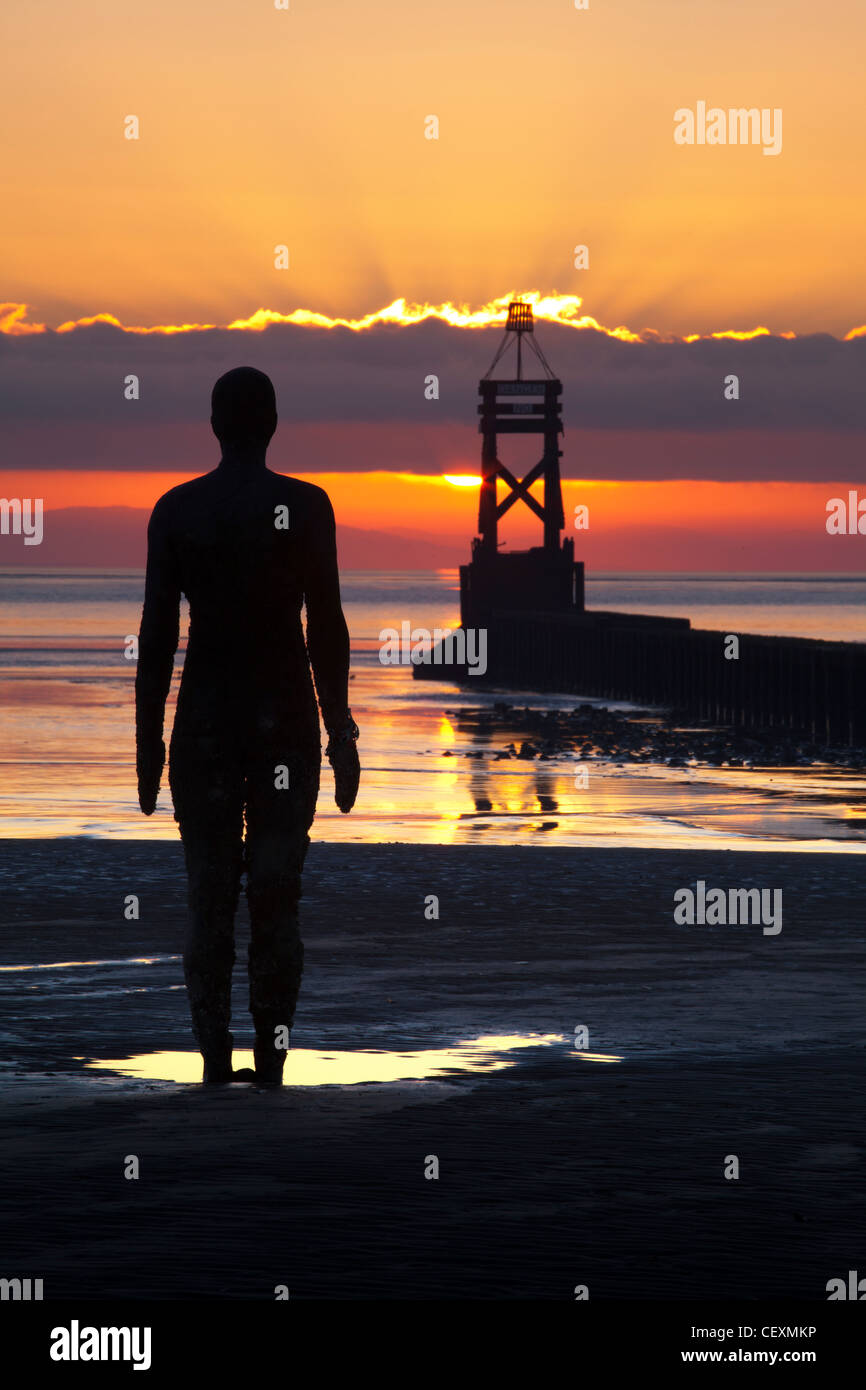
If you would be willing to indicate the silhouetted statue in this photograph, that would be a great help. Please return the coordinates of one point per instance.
(247, 547)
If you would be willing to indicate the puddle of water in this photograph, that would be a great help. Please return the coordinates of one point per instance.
(310, 1067)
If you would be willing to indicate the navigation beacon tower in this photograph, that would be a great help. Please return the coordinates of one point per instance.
(546, 577)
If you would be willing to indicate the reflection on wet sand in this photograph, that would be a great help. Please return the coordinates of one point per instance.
(332, 1067)
(438, 769)
(442, 764)
(86, 964)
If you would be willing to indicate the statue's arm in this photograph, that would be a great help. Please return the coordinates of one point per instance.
(327, 633)
(157, 643)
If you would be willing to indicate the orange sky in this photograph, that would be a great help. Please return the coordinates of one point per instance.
(261, 127)
(405, 521)
(409, 502)
(306, 127)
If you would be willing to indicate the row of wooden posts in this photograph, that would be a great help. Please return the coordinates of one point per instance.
(798, 684)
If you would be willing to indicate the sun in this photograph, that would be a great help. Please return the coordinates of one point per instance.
(462, 479)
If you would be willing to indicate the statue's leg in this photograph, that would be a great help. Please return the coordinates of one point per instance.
(279, 817)
(207, 789)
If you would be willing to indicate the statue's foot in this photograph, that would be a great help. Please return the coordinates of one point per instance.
(222, 1075)
(269, 1064)
(215, 1045)
(216, 1073)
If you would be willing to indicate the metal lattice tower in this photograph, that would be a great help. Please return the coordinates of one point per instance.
(520, 405)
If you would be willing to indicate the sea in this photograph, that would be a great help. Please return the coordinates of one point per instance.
(67, 759)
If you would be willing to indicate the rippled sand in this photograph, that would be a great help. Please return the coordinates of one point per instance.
(554, 1168)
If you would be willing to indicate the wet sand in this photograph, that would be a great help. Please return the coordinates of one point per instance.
(555, 1170)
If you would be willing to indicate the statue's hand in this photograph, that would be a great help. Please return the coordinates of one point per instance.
(149, 763)
(343, 758)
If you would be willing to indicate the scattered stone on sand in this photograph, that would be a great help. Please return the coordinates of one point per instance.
(639, 736)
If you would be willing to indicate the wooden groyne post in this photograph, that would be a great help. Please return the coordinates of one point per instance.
(798, 684)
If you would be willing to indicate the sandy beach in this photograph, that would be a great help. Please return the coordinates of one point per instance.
(557, 1167)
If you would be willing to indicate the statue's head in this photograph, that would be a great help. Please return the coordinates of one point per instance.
(243, 408)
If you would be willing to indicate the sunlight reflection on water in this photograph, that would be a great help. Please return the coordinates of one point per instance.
(432, 772)
(332, 1067)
